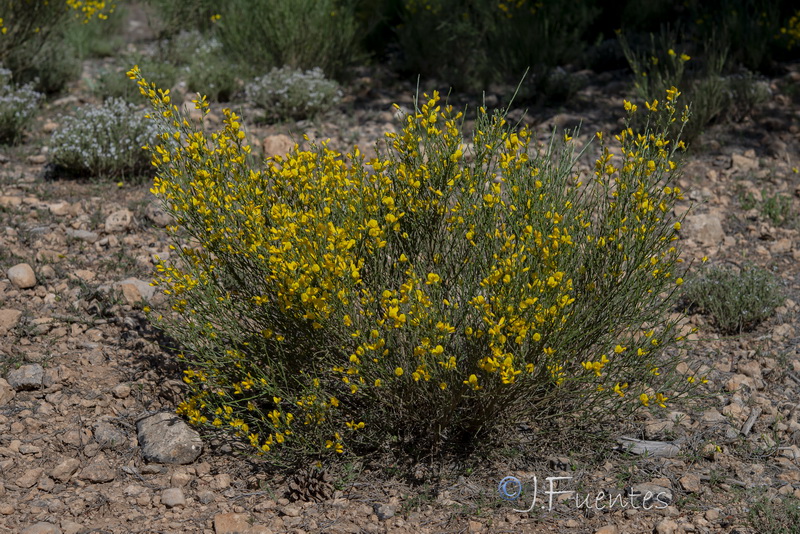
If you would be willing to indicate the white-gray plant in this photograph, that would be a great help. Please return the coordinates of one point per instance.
(18, 105)
(287, 93)
(103, 141)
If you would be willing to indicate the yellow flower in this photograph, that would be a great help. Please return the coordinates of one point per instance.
(645, 399)
(472, 382)
(398, 371)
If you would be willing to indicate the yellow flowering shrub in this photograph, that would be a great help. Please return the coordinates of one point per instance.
(325, 303)
(33, 42)
(791, 31)
(24, 14)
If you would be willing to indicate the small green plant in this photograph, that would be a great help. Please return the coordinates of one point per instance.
(778, 209)
(737, 299)
(747, 200)
(656, 68)
(103, 141)
(425, 299)
(207, 70)
(174, 16)
(287, 93)
(714, 96)
(97, 37)
(770, 517)
(301, 34)
(112, 82)
(18, 105)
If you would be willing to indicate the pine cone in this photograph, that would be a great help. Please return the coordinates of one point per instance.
(311, 485)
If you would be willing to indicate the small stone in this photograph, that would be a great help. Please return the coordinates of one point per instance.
(156, 214)
(153, 469)
(71, 527)
(781, 246)
(165, 438)
(734, 411)
(29, 478)
(21, 276)
(37, 159)
(6, 508)
(98, 471)
(705, 229)
(737, 381)
(135, 291)
(206, 496)
(173, 497)
(750, 368)
(27, 377)
(667, 526)
(712, 514)
(84, 274)
(291, 510)
(64, 471)
(46, 484)
(221, 481)
(28, 448)
(59, 209)
(712, 415)
(9, 319)
(180, 479)
(121, 391)
(83, 235)
(108, 436)
(782, 331)
(119, 221)
(743, 164)
(42, 527)
(231, 523)
(49, 127)
(384, 511)
(6, 392)
(607, 529)
(691, 483)
(277, 145)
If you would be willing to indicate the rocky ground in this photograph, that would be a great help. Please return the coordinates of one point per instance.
(88, 442)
